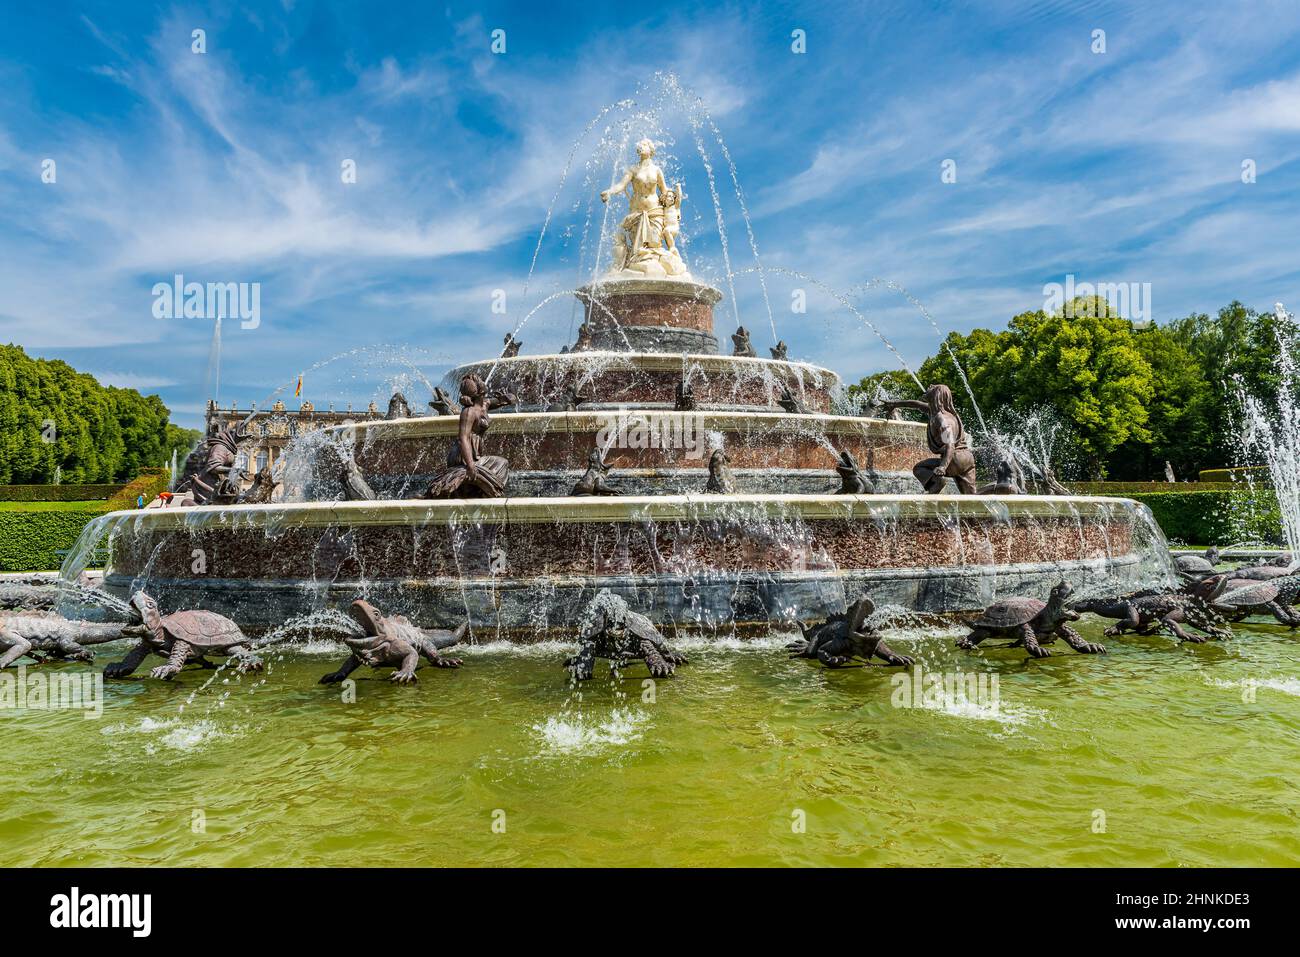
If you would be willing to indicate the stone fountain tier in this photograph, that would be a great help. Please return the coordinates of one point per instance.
(649, 380)
(524, 568)
(648, 451)
(673, 315)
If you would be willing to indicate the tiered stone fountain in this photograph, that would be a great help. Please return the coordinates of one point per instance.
(645, 383)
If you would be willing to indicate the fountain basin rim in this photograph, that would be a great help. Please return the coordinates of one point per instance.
(651, 360)
(582, 420)
(620, 509)
(681, 288)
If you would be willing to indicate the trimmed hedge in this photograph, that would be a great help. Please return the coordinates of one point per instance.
(148, 483)
(95, 507)
(31, 540)
(1255, 473)
(57, 493)
(1208, 517)
(1132, 488)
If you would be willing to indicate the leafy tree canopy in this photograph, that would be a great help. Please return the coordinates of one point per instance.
(1131, 398)
(54, 419)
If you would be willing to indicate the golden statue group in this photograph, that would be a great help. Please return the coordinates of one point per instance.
(645, 245)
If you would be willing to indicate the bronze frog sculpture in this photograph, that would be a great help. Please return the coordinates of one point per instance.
(393, 641)
(594, 481)
(845, 636)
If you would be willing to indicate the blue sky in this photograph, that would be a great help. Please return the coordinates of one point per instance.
(1123, 166)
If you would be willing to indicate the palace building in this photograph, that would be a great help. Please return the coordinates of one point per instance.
(269, 431)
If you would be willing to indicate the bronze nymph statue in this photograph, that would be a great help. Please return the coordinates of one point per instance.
(469, 473)
(947, 440)
(208, 467)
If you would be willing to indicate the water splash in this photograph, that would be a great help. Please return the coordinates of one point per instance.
(844, 301)
(580, 734)
(1271, 428)
(925, 313)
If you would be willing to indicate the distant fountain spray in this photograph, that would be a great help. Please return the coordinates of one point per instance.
(1271, 431)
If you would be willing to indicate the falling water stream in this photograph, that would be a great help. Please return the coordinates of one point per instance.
(1271, 429)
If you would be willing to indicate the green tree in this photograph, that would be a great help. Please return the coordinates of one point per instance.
(1090, 367)
(1085, 362)
(985, 360)
(1236, 351)
(893, 383)
(56, 419)
(1182, 422)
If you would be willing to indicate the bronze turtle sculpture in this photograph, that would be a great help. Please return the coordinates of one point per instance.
(1197, 566)
(181, 637)
(1032, 623)
(1237, 598)
(845, 636)
(1264, 571)
(394, 641)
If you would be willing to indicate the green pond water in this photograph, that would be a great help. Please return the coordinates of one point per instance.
(1155, 754)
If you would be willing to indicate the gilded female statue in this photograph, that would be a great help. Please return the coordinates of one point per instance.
(638, 244)
(469, 473)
